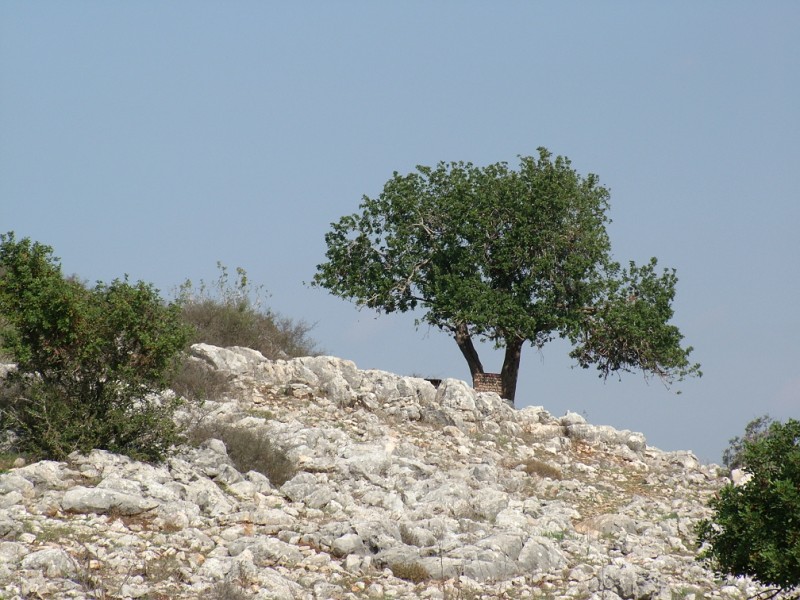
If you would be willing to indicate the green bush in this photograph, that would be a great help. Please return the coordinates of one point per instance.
(232, 314)
(755, 529)
(5, 329)
(90, 361)
(755, 429)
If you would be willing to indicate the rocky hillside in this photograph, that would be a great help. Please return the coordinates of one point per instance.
(392, 489)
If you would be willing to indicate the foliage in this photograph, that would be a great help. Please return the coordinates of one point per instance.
(755, 430)
(232, 314)
(755, 529)
(5, 329)
(90, 361)
(510, 257)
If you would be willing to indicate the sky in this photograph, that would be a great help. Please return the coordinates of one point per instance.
(156, 139)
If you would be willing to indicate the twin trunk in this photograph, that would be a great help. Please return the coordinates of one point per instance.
(510, 370)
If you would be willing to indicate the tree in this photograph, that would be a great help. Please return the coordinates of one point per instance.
(755, 529)
(510, 257)
(90, 362)
(732, 457)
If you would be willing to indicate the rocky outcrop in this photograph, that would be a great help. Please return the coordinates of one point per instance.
(401, 490)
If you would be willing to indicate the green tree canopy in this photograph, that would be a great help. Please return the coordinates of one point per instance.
(90, 361)
(511, 257)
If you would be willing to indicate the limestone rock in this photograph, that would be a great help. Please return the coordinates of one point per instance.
(98, 500)
(541, 554)
(609, 524)
(53, 562)
(399, 490)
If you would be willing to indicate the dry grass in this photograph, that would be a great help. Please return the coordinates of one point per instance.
(233, 313)
(248, 449)
(196, 381)
(227, 591)
(542, 469)
(413, 572)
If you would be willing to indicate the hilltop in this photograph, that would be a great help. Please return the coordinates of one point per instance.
(312, 479)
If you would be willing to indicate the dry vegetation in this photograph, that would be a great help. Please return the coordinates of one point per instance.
(248, 449)
(229, 313)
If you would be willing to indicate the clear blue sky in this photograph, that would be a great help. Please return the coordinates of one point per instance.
(156, 139)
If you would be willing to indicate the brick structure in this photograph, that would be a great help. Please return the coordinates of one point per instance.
(488, 382)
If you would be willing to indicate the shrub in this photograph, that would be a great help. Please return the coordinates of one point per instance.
(226, 590)
(5, 330)
(413, 572)
(249, 450)
(196, 381)
(90, 362)
(232, 314)
(754, 430)
(542, 469)
(755, 529)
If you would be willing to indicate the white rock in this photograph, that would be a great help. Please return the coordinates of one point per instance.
(571, 418)
(45, 473)
(608, 524)
(740, 477)
(98, 500)
(10, 499)
(541, 554)
(53, 562)
(12, 552)
(215, 568)
(456, 395)
(347, 544)
(235, 359)
(14, 482)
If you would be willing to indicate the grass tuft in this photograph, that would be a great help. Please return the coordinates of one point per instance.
(542, 469)
(413, 572)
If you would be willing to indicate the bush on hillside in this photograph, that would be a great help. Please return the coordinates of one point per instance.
(754, 430)
(227, 590)
(755, 530)
(232, 314)
(248, 449)
(5, 330)
(91, 362)
(197, 381)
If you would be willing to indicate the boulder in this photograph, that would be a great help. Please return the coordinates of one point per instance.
(53, 562)
(540, 554)
(104, 501)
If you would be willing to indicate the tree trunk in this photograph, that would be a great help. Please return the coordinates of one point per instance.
(464, 341)
(510, 371)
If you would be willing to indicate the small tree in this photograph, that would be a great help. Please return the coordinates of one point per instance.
(732, 456)
(510, 257)
(90, 362)
(755, 529)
